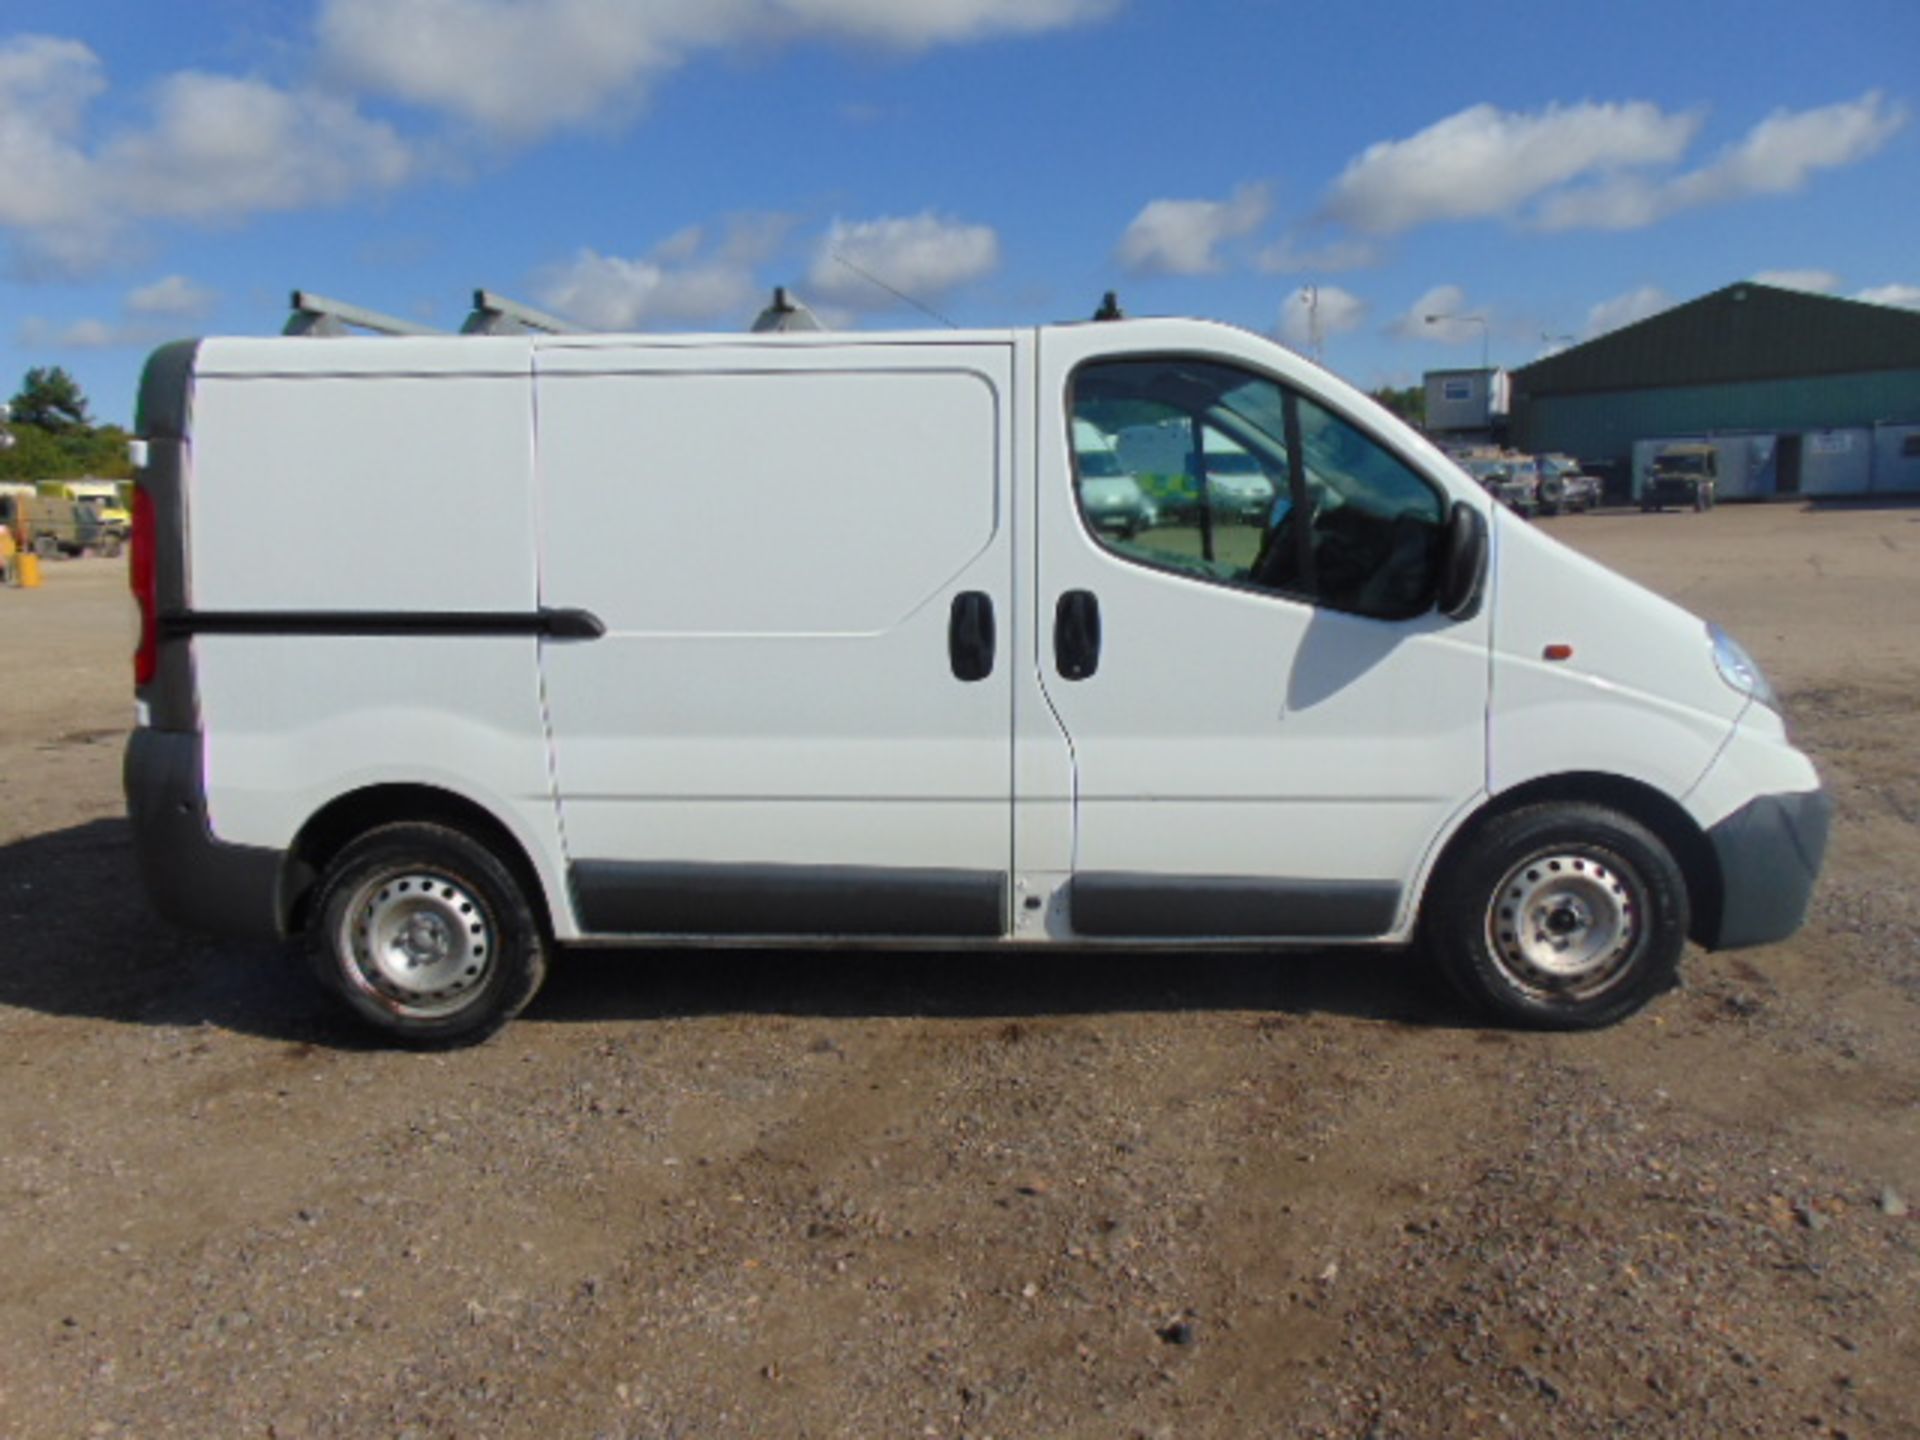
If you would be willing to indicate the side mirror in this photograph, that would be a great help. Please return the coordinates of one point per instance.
(1463, 562)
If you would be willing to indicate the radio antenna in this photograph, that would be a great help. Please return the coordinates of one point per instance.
(873, 279)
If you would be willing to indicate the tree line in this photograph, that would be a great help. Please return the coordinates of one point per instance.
(1410, 404)
(54, 434)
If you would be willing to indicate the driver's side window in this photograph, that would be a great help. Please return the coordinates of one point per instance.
(1226, 476)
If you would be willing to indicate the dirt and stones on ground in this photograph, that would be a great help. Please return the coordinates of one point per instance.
(777, 1195)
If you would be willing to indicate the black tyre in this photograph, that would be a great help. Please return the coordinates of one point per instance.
(1560, 917)
(426, 935)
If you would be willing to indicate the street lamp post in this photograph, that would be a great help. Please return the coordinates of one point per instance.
(1479, 320)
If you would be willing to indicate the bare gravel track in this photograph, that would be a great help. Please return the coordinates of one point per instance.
(776, 1195)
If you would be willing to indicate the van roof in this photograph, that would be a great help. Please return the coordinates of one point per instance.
(503, 354)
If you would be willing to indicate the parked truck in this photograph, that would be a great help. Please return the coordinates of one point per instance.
(1682, 476)
(107, 497)
(50, 526)
(1564, 486)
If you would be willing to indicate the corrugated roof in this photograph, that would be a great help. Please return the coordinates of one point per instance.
(1744, 332)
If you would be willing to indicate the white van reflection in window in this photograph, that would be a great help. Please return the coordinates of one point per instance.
(1111, 496)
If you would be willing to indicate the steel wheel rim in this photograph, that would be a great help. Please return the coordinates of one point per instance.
(418, 942)
(1564, 925)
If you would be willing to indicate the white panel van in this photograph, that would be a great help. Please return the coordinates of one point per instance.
(455, 650)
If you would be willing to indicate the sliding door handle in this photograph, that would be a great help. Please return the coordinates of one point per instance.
(1076, 635)
(970, 636)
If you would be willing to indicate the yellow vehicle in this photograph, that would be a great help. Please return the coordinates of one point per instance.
(106, 497)
(49, 525)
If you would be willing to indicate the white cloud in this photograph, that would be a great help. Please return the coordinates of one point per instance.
(520, 68)
(680, 246)
(1778, 156)
(1625, 202)
(147, 313)
(936, 22)
(1905, 296)
(211, 148)
(687, 279)
(1286, 256)
(36, 333)
(221, 147)
(1318, 314)
(50, 79)
(1485, 161)
(46, 85)
(1783, 151)
(1180, 237)
(607, 292)
(1630, 308)
(922, 255)
(1443, 300)
(516, 69)
(170, 295)
(1593, 165)
(1817, 282)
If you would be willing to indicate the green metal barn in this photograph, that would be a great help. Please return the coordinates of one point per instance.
(1804, 394)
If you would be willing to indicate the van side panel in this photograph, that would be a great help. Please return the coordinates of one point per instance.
(317, 504)
(365, 492)
(777, 553)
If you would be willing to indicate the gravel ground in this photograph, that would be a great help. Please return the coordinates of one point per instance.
(778, 1195)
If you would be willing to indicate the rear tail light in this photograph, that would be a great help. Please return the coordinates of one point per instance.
(140, 575)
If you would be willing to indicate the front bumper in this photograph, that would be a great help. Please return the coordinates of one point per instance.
(1671, 492)
(1769, 851)
(193, 879)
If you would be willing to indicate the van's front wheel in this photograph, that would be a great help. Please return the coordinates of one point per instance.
(426, 934)
(1561, 916)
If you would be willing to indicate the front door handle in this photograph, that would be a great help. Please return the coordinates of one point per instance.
(970, 635)
(1076, 635)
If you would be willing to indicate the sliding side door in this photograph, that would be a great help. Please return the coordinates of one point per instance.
(797, 722)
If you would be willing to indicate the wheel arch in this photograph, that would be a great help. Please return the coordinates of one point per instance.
(344, 819)
(1659, 812)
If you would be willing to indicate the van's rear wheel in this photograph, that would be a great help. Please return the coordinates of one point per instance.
(426, 934)
(1561, 916)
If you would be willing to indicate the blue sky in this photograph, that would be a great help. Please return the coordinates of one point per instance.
(659, 164)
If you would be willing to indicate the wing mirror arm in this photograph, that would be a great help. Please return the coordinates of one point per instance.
(1463, 566)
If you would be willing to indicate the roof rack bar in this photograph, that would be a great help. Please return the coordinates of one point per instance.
(497, 315)
(785, 312)
(317, 315)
